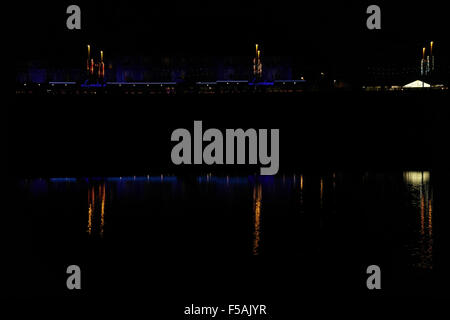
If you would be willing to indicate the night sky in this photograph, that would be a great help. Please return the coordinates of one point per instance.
(322, 33)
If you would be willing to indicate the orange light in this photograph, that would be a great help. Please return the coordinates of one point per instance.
(257, 197)
(92, 66)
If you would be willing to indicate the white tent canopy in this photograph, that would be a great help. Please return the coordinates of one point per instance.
(417, 84)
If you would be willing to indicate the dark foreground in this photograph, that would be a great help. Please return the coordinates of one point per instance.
(375, 176)
(215, 239)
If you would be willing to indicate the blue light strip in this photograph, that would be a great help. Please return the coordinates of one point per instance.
(222, 180)
(206, 83)
(260, 84)
(142, 83)
(232, 81)
(63, 179)
(93, 85)
(143, 178)
(174, 83)
(290, 81)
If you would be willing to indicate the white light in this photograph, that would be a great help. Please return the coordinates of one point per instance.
(416, 177)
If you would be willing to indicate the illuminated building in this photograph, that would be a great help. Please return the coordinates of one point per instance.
(257, 65)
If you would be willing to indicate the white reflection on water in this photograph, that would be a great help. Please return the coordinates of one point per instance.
(416, 178)
(420, 190)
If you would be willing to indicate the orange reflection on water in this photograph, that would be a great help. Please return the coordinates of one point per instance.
(93, 209)
(102, 216)
(89, 228)
(321, 192)
(430, 223)
(301, 191)
(257, 196)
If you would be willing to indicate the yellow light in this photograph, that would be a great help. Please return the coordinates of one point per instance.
(431, 48)
(257, 197)
(101, 55)
(423, 53)
(416, 177)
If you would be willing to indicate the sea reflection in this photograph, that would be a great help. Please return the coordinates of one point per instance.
(321, 193)
(325, 198)
(421, 193)
(301, 193)
(257, 197)
(98, 210)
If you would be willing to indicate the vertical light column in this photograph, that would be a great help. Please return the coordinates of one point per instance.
(88, 64)
(432, 56)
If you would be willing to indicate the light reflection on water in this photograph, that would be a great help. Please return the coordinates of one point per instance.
(94, 210)
(316, 195)
(421, 193)
(321, 193)
(301, 193)
(257, 197)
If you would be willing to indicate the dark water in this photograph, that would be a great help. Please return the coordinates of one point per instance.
(315, 232)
